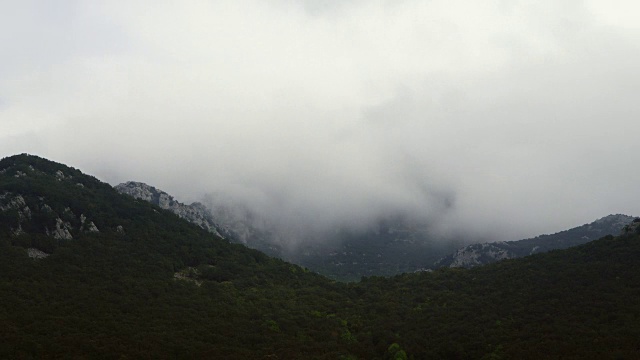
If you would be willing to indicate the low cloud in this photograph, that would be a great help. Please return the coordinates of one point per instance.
(489, 120)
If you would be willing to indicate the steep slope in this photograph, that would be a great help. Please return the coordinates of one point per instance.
(577, 303)
(195, 213)
(482, 254)
(143, 283)
(88, 272)
(223, 222)
(394, 245)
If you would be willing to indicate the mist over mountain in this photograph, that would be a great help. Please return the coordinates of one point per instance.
(487, 253)
(394, 245)
(86, 272)
(355, 138)
(494, 122)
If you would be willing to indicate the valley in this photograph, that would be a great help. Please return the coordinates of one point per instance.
(88, 272)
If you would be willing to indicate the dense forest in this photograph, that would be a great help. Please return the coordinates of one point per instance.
(86, 272)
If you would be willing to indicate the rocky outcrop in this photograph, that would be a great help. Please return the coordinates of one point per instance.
(90, 226)
(36, 254)
(57, 227)
(62, 230)
(481, 254)
(28, 209)
(195, 213)
(17, 203)
(9, 201)
(234, 223)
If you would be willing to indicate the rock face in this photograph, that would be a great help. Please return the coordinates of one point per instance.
(62, 230)
(58, 228)
(234, 223)
(8, 202)
(195, 213)
(481, 254)
(36, 254)
(395, 245)
(478, 254)
(26, 212)
(90, 227)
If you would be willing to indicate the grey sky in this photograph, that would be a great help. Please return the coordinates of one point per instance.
(509, 117)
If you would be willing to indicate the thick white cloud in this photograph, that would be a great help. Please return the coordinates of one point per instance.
(513, 118)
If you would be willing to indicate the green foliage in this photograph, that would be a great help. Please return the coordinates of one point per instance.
(167, 289)
(395, 352)
(272, 325)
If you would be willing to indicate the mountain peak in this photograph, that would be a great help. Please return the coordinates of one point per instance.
(619, 220)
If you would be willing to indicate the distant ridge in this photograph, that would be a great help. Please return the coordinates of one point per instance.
(326, 260)
(486, 253)
(86, 272)
(394, 245)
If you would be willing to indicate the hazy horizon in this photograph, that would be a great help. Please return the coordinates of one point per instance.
(507, 120)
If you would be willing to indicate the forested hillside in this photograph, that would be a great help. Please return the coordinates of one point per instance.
(146, 284)
(393, 245)
(86, 272)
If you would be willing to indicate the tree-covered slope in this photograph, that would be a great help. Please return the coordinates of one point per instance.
(486, 253)
(143, 283)
(393, 245)
(146, 284)
(578, 303)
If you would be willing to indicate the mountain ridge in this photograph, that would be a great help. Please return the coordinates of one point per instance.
(195, 213)
(199, 214)
(351, 250)
(394, 245)
(149, 284)
(486, 253)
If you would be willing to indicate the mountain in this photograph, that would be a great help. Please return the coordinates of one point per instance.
(225, 222)
(393, 246)
(86, 272)
(482, 254)
(195, 213)
(576, 303)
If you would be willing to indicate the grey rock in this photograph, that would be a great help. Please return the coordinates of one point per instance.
(16, 202)
(62, 230)
(36, 254)
(60, 175)
(18, 231)
(26, 212)
(481, 254)
(92, 227)
(195, 213)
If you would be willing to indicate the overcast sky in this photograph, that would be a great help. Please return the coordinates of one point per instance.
(506, 117)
